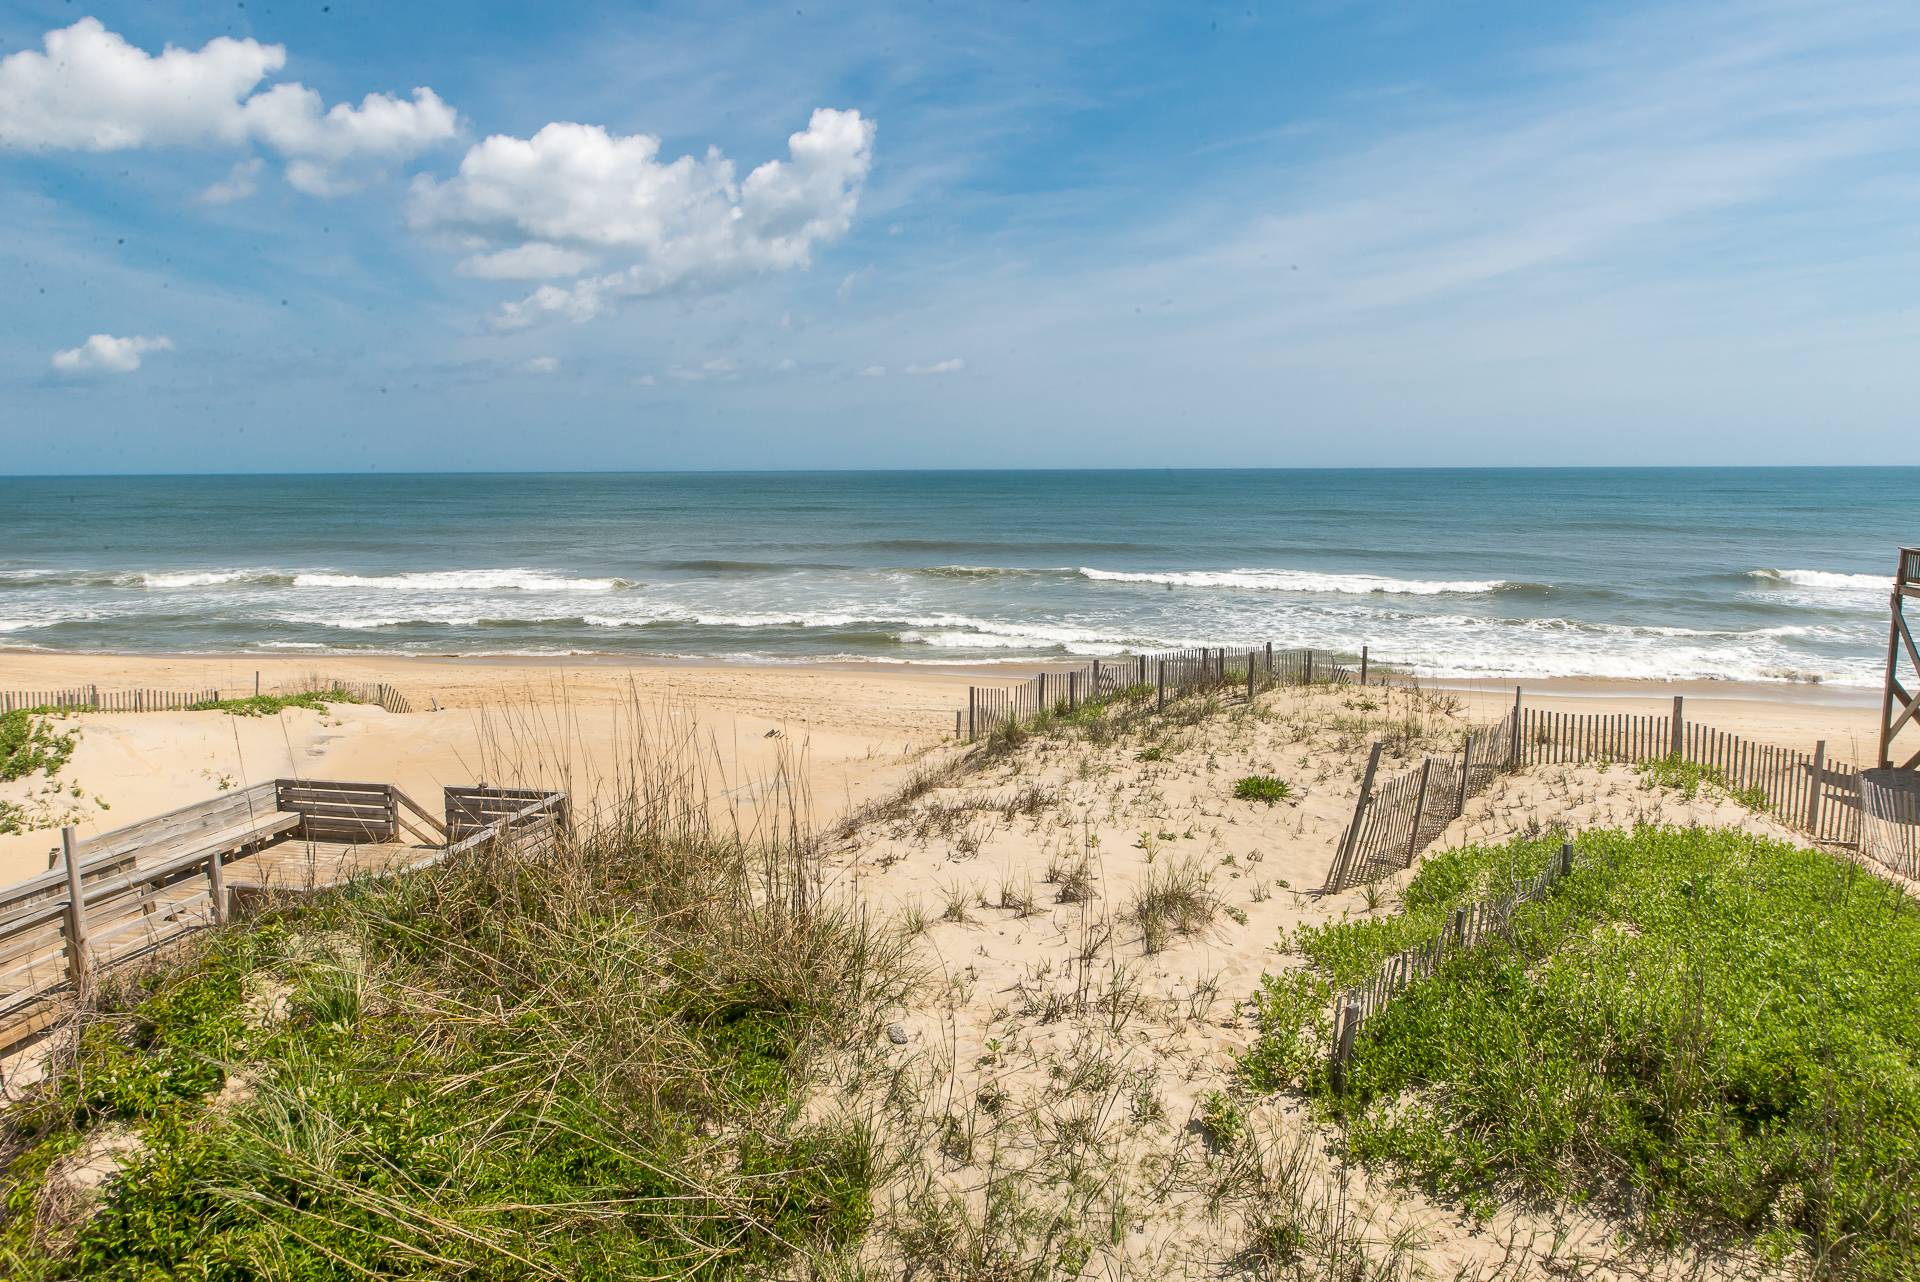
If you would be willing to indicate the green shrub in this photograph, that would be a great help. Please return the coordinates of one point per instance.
(266, 705)
(28, 744)
(1715, 1028)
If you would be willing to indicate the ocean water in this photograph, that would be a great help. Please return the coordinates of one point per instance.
(1743, 574)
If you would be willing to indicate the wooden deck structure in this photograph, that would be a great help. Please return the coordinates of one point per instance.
(1899, 706)
(125, 893)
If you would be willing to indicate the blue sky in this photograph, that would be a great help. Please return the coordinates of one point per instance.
(608, 236)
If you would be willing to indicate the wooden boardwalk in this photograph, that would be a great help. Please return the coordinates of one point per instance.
(126, 893)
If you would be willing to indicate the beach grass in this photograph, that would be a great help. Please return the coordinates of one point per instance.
(587, 1060)
(1706, 1033)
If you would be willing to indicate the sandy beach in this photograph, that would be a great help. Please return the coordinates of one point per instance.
(855, 727)
(528, 723)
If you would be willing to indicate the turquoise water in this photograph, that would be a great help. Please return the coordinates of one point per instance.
(1751, 574)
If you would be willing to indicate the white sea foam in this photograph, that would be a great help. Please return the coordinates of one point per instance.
(1851, 584)
(201, 578)
(1295, 581)
(512, 580)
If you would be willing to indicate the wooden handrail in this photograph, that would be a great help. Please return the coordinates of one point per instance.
(499, 827)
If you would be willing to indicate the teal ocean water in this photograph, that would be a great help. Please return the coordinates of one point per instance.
(1746, 574)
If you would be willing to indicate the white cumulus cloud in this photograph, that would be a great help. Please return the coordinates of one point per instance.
(574, 196)
(874, 371)
(105, 354)
(951, 366)
(543, 365)
(90, 90)
(241, 182)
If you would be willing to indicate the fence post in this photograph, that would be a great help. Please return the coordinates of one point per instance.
(79, 952)
(1466, 770)
(973, 701)
(1343, 1048)
(1073, 690)
(1309, 680)
(1513, 754)
(1337, 880)
(1566, 858)
(1679, 739)
(1161, 705)
(1818, 785)
(1095, 692)
(1250, 670)
(1269, 658)
(1459, 932)
(1419, 810)
(1363, 665)
(1041, 709)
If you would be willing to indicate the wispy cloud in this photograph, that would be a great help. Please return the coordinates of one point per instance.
(106, 354)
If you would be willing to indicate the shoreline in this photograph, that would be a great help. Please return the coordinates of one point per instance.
(1812, 693)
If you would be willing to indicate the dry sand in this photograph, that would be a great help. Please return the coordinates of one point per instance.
(1059, 1050)
(854, 730)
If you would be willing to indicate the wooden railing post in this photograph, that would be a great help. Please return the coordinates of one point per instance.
(1160, 704)
(1309, 680)
(1566, 858)
(1363, 665)
(217, 888)
(1679, 735)
(79, 952)
(1250, 671)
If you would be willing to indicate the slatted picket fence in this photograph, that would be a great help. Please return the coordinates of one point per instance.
(1466, 928)
(1164, 675)
(1890, 819)
(1395, 819)
(91, 698)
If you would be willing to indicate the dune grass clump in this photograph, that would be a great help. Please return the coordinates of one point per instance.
(587, 1060)
(1176, 898)
(1710, 1031)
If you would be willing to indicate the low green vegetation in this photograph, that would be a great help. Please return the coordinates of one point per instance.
(30, 745)
(1263, 788)
(266, 705)
(589, 1062)
(1710, 1033)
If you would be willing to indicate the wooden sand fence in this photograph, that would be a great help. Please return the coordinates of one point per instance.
(1394, 820)
(1175, 673)
(1890, 819)
(91, 698)
(1466, 928)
